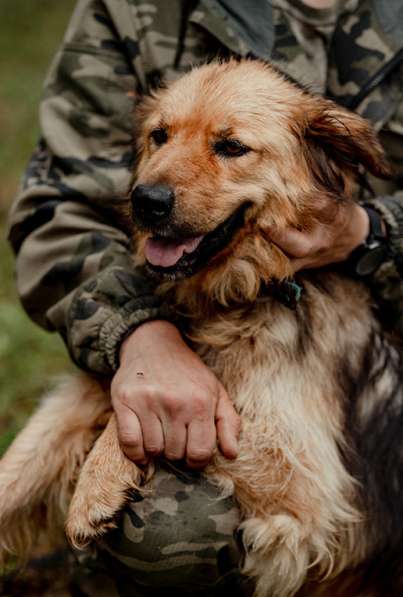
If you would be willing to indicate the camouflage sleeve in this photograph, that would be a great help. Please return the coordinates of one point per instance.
(74, 271)
(387, 282)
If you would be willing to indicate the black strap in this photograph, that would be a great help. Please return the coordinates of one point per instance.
(375, 224)
(373, 81)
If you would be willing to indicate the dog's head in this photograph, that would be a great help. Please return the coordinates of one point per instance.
(228, 151)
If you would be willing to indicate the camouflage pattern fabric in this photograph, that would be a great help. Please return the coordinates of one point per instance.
(180, 539)
(358, 52)
(74, 268)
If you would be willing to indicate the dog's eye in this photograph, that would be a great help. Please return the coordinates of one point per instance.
(159, 136)
(230, 148)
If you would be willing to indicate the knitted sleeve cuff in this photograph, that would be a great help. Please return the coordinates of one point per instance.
(391, 210)
(104, 311)
(117, 327)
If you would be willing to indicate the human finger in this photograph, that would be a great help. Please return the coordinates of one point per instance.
(175, 437)
(153, 437)
(295, 243)
(130, 435)
(201, 442)
(228, 424)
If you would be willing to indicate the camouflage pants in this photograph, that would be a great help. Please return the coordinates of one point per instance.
(178, 540)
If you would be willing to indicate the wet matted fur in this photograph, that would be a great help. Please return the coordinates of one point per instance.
(319, 472)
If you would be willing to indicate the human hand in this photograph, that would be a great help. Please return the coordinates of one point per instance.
(168, 402)
(327, 243)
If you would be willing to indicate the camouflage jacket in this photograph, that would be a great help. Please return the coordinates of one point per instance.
(74, 268)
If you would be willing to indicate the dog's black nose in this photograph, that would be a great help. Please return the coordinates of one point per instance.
(152, 203)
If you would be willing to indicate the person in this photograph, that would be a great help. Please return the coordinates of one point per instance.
(75, 274)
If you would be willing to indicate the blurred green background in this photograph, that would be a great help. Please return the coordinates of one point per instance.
(30, 32)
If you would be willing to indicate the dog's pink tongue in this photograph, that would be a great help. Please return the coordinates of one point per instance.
(165, 253)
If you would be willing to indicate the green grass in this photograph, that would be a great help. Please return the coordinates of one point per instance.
(30, 31)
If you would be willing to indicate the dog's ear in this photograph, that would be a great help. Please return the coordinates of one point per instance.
(341, 139)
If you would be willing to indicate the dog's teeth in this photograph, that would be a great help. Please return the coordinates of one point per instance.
(192, 244)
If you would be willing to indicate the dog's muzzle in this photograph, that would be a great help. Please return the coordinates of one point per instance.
(182, 256)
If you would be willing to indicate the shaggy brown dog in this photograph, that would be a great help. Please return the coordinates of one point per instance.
(226, 152)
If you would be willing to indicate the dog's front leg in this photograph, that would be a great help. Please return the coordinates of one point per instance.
(39, 470)
(104, 484)
(277, 554)
(290, 525)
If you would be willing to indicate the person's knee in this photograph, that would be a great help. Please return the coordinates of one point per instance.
(181, 530)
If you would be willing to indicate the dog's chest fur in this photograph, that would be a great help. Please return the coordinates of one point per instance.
(280, 365)
(283, 369)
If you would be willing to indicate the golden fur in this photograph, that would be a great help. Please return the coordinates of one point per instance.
(302, 516)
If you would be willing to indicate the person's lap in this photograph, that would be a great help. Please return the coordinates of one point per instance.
(177, 539)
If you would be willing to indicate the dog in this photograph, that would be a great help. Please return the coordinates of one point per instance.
(225, 153)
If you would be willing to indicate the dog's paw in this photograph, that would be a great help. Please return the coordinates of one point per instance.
(98, 499)
(88, 521)
(277, 554)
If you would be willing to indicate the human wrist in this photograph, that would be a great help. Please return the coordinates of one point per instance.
(359, 229)
(146, 331)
